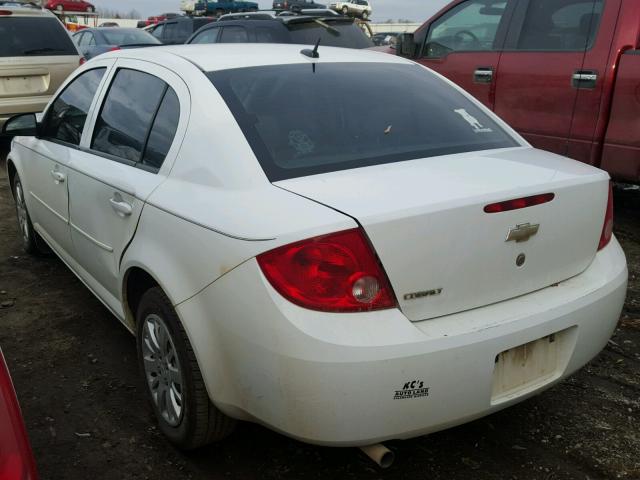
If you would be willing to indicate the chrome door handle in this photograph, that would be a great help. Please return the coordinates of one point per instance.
(120, 206)
(59, 177)
(483, 75)
(584, 79)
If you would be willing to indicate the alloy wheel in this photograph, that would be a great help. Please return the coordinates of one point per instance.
(162, 369)
(21, 210)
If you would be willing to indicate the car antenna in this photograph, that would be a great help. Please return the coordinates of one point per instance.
(312, 53)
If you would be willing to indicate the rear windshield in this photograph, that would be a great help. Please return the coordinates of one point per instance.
(122, 36)
(331, 34)
(303, 121)
(29, 36)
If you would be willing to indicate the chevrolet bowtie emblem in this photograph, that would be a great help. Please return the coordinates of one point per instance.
(522, 233)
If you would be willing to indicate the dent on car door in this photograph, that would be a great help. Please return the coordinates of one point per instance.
(132, 136)
(46, 169)
(464, 44)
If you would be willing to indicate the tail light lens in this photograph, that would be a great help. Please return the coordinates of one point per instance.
(16, 459)
(519, 203)
(332, 273)
(82, 61)
(607, 229)
(114, 49)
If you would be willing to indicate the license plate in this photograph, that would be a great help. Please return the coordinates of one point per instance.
(528, 367)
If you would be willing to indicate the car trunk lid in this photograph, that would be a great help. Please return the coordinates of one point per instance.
(442, 252)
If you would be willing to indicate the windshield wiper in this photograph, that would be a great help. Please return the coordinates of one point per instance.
(328, 27)
(35, 51)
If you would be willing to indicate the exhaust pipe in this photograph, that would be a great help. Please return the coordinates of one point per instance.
(380, 454)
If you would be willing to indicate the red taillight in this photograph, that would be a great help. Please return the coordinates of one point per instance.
(114, 49)
(16, 459)
(5, 13)
(82, 61)
(519, 203)
(332, 273)
(607, 229)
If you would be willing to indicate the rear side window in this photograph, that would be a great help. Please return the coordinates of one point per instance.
(133, 115)
(414, 115)
(234, 35)
(68, 113)
(34, 36)
(339, 34)
(163, 130)
(560, 25)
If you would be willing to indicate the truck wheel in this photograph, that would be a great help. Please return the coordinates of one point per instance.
(178, 395)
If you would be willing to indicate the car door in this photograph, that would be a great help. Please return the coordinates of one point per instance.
(541, 68)
(47, 171)
(128, 151)
(464, 44)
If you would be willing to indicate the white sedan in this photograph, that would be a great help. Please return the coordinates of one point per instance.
(340, 245)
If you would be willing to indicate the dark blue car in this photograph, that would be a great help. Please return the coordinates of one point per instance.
(222, 7)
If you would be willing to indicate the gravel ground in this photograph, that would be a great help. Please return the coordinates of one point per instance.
(75, 373)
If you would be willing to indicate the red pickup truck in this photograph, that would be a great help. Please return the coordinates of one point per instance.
(563, 73)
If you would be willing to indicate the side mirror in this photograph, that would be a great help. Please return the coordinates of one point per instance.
(21, 125)
(406, 45)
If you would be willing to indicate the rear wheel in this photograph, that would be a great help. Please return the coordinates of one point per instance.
(176, 388)
(365, 15)
(345, 10)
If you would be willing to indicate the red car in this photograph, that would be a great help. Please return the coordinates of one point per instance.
(16, 458)
(70, 6)
(563, 73)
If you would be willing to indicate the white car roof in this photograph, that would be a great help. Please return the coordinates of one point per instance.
(215, 57)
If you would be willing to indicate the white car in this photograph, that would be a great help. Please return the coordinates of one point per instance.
(341, 275)
(358, 8)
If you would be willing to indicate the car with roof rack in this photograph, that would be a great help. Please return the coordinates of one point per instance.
(220, 7)
(36, 56)
(272, 27)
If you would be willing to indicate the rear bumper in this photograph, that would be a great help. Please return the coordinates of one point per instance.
(332, 379)
(18, 105)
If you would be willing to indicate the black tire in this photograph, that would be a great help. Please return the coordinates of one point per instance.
(365, 15)
(32, 243)
(201, 422)
(345, 11)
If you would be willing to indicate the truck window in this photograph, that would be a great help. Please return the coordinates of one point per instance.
(470, 26)
(560, 25)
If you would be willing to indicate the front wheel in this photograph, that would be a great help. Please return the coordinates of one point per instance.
(174, 382)
(365, 15)
(31, 243)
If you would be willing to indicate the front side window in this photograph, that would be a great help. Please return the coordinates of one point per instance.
(208, 36)
(560, 25)
(294, 134)
(138, 120)
(470, 26)
(66, 118)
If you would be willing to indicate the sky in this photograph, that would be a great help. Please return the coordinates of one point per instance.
(416, 10)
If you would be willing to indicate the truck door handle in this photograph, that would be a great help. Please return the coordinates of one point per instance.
(483, 75)
(584, 79)
(122, 208)
(59, 177)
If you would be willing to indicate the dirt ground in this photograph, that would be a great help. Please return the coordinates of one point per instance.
(75, 373)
